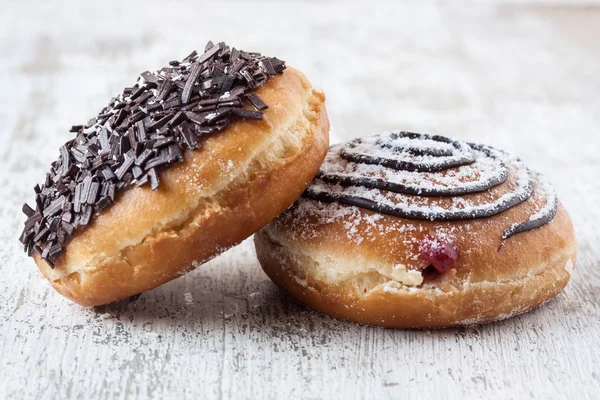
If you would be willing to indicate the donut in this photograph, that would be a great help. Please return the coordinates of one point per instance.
(191, 160)
(409, 230)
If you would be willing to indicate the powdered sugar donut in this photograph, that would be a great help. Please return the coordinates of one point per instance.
(411, 230)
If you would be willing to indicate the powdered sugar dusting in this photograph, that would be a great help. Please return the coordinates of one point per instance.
(466, 179)
(550, 198)
(428, 177)
(419, 149)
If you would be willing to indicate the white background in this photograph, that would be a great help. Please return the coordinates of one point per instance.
(521, 76)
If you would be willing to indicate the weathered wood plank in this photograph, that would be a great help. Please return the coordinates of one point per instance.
(522, 78)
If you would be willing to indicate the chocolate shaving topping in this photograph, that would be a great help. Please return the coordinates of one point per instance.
(256, 102)
(138, 134)
(28, 210)
(190, 82)
(247, 114)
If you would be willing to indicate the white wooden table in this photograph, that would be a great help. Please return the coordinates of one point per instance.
(522, 77)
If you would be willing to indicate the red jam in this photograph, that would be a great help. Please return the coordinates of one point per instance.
(439, 250)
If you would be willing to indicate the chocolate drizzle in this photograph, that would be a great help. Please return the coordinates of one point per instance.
(446, 157)
(541, 218)
(443, 191)
(396, 173)
(142, 131)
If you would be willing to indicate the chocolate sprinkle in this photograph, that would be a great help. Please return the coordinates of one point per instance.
(138, 134)
(256, 102)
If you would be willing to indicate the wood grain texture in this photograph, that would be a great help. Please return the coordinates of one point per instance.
(524, 78)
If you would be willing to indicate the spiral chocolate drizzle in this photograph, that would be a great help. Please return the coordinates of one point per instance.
(447, 153)
(429, 177)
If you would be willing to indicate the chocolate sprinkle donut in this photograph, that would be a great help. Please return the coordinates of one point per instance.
(138, 134)
(403, 174)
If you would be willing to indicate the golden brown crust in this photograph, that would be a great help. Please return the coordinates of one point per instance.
(338, 260)
(219, 195)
